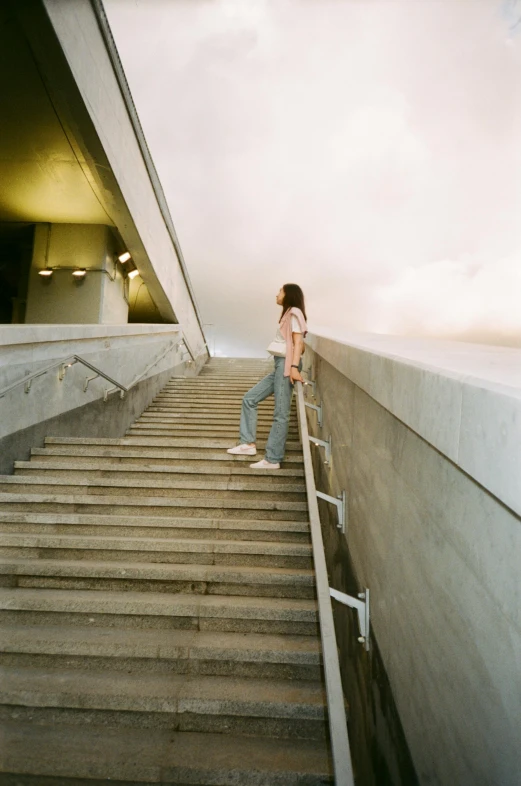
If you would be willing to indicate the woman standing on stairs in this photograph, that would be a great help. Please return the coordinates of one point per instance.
(286, 348)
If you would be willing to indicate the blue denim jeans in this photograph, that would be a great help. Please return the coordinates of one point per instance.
(282, 388)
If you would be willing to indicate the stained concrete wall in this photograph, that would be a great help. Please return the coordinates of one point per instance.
(57, 407)
(439, 551)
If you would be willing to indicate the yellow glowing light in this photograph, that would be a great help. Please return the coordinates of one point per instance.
(133, 273)
(46, 271)
(124, 257)
(79, 273)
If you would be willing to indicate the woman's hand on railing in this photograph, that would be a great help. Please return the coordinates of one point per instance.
(295, 375)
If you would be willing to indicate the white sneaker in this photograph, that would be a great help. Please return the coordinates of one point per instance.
(263, 464)
(242, 450)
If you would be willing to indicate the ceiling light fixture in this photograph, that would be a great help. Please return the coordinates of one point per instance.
(80, 273)
(46, 271)
(124, 257)
(133, 273)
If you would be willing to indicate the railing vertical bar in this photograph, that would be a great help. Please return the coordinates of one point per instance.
(341, 753)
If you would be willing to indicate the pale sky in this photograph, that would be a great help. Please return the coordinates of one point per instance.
(368, 150)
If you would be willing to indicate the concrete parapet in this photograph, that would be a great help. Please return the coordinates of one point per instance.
(63, 406)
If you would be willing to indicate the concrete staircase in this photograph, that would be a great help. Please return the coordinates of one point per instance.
(158, 614)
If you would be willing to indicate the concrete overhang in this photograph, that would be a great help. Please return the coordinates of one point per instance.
(71, 146)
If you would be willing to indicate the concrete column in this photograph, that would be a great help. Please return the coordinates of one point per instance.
(62, 299)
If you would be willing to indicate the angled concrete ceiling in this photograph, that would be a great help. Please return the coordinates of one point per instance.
(72, 149)
(41, 176)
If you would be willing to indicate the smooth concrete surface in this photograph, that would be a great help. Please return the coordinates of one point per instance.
(63, 299)
(439, 553)
(63, 407)
(463, 399)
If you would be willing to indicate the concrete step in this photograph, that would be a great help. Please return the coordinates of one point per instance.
(185, 399)
(279, 531)
(210, 386)
(246, 488)
(164, 550)
(238, 508)
(162, 652)
(228, 379)
(203, 426)
(234, 374)
(154, 577)
(196, 422)
(205, 413)
(192, 408)
(230, 433)
(95, 755)
(190, 416)
(158, 611)
(180, 702)
(187, 402)
(83, 466)
(212, 443)
(190, 443)
(157, 456)
(226, 397)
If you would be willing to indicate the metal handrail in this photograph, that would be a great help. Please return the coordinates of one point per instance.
(341, 754)
(71, 360)
(188, 348)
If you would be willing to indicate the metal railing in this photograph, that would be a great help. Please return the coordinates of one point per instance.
(341, 754)
(71, 360)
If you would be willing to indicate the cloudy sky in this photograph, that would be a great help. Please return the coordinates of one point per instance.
(369, 150)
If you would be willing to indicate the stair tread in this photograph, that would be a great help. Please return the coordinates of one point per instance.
(150, 483)
(158, 756)
(157, 603)
(117, 642)
(32, 686)
(177, 454)
(233, 471)
(142, 501)
(133, 442)
(21, 566)
(35, 540)
(154, 521)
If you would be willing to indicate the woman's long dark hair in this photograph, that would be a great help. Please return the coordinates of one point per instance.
(293, 298)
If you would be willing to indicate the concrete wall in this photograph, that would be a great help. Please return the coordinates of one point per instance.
(426, 443)
(62, 407)
(62, 299)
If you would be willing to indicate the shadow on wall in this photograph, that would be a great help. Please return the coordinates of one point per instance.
(141, 307)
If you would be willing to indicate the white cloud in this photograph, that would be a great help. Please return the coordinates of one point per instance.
(369, 151)
(460, 298)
